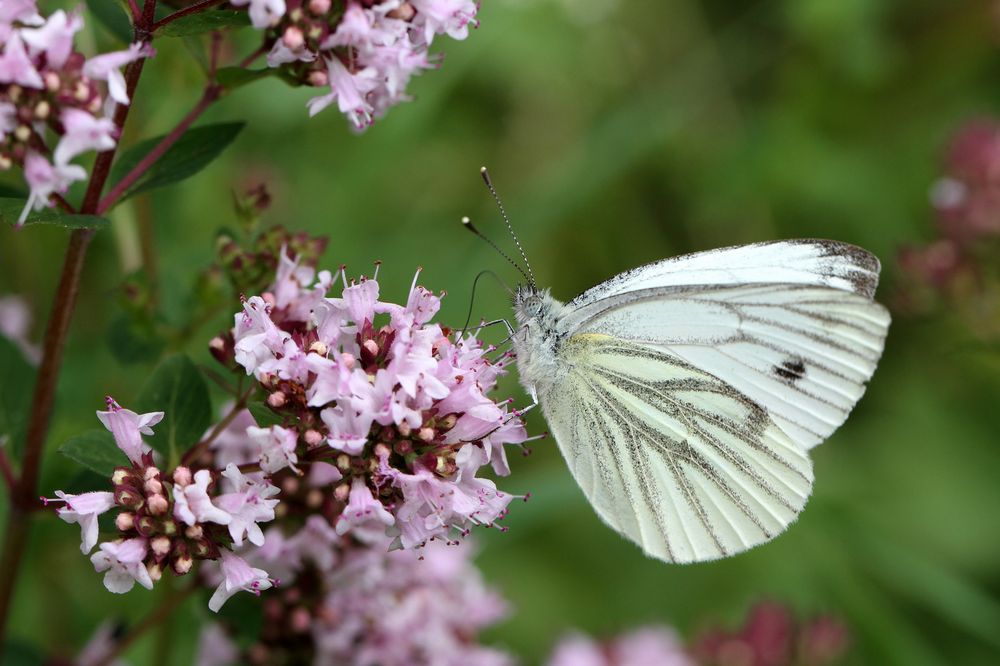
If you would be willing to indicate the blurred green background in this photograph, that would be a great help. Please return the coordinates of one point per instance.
(618, 133)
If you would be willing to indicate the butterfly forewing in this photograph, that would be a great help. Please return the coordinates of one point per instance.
(671, 456)
(803, 353)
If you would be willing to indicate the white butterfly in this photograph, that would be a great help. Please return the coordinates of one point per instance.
(685, 394)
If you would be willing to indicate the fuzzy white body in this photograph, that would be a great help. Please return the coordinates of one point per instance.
(686, 394)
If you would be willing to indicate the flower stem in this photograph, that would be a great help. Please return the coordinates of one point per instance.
(8, 472)
(23, 501)
(187, 11)
(208, 97)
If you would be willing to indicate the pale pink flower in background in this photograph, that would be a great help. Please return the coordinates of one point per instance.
(15, 325)
(107, 67)
(451, 17)
(263, 13)
(104, 639)
(237, 575)
(349, 91)
(128, 428)
(123, 562)
(215, 648)
(84, 132)
(55, 37)
(193, 505)
(277, 447)
(46, 179)
(247, 503)
(84, 509)
(644, 646)
(16, 66)
(233, 445)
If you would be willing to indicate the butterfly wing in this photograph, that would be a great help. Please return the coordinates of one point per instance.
(803, 350)
(669, 455)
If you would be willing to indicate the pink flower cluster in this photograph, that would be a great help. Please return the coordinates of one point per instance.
(347, 603)
(639, 647)
(51, 106)
(364, 51)
(170, 520)
(958, 263)
(376, 402)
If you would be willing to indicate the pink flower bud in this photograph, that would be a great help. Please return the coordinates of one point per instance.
(313, 437)
(314, 499)
(319, 78)
(404, 429)
(155, 571)
(276, 399)
(343, 462)
(342, 492)
(120, 475)
(194, 532)
(319, 347)
(319, 7)
(300, 620)
(125, 521)
(160, 545)
(290, 485)
(158, 505)
(426, 434)
(151, 473)
(153, 487)
(382, 450)
(181, 565)
(182, 476)
(293, 38)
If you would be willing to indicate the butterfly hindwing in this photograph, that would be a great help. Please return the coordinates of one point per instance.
(669, 455)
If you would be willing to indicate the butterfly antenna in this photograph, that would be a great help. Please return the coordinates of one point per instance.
(472, 299)
(496, 197)
(468, 225)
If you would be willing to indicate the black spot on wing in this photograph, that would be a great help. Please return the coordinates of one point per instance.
(791, 369)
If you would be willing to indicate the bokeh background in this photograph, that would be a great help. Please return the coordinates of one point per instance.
(618, 133)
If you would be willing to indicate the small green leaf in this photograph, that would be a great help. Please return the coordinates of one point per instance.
(10, 211)
(264, 415)
(193, 152)
(15, 395)
(114, 17)
(179, 390)
(235, 77)
(95, 450)
(202, 22)
(12, 192)
(133, 340)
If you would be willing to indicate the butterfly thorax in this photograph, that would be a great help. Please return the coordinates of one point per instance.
(538, 338)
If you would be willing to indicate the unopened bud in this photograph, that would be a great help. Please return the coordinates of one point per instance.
(169, 527)
(300, 621)
(382, 450)
(182, 476)
(119, 476)
(158, 505)
(290, 485)
(293, 38)
(343, 462)
(319, 78)
(319, 6)
(125, 521)
(403, 447)
(217, 344)
(194, 532)
(155, 571)
(276, 399)
(341, 493)
(313, 437)
(153, 487)
(145, 525)
(404, 12)
(181, 565)
(127, 496)
(151, 472)
(448, 422)
(404, 429)
(426, 434)
(42, 110)
(22, 133)
(314, 499)
(371, 347)
(52, 81)
(319, 347)
(160, 545)
(81, 92)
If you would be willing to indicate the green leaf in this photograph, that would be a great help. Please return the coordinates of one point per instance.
(134, 340)
(10, 211)
(95, 450)
(15, 395)
(179, 390)
(18, 653)
(113, 15)
(193, 152)
(202, 22)
(231, 78)
(12, 192)
(264, 415)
